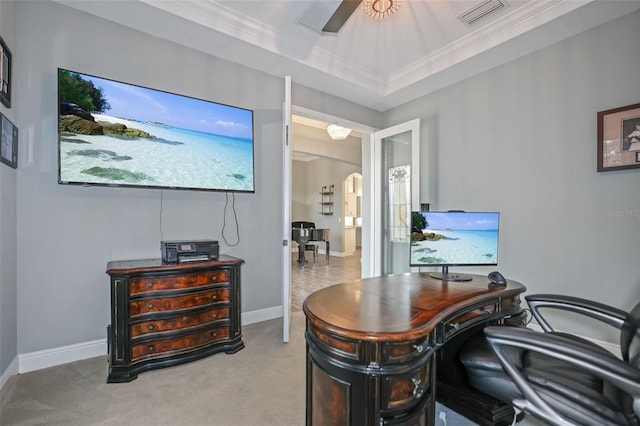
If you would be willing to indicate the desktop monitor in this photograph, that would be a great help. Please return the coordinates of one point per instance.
(454, 238)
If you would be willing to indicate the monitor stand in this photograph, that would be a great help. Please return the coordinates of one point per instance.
(446, 276)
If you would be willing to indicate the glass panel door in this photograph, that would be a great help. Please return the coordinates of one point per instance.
(399, 177)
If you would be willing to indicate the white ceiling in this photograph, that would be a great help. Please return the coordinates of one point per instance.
(379, 64)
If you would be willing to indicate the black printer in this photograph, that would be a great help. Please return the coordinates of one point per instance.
(189, 250)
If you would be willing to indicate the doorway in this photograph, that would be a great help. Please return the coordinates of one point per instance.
(326, 176)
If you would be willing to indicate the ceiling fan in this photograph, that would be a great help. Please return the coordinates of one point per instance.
(341, 15)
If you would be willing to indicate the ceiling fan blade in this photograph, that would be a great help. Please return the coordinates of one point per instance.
(341, 15)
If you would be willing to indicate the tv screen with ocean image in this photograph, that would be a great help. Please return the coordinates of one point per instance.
(454, 238)
(119, 134)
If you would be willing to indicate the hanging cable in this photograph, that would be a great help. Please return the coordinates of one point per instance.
(235, 217)
(161, 193)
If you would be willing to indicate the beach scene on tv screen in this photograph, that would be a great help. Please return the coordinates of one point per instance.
(114, 133)
(456, 239)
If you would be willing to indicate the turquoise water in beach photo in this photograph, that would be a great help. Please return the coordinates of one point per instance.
(475, 247)
(190, 143)
(175, 157)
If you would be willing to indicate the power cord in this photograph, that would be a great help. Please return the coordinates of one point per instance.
(161, 193)
(235, 217)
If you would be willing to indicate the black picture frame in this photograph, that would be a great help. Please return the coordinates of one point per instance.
(619, 138)
(5, 74)
(8, 142)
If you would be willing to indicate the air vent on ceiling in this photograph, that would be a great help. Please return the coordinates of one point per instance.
(482, 10)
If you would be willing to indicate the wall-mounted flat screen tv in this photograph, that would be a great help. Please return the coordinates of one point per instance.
(118, 134)
(454, 238)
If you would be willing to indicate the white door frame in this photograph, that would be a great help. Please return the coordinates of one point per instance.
(286, 216)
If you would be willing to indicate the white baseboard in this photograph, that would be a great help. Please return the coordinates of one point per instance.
(11, 370)
(262, 315)
(38, 360)
(50, 357)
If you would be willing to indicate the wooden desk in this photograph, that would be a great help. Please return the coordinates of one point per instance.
(372, 344)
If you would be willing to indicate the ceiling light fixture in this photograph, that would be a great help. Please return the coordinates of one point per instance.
(378, 9)
(337, 132)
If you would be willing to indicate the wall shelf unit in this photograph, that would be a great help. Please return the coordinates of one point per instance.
(326, 200)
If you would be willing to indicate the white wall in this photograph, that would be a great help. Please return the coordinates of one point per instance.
(521, 139)
(8, 235)
(67, 234)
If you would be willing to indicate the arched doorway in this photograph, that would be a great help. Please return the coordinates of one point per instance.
(352, 215)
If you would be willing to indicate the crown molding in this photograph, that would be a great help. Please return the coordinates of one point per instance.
(511, 25)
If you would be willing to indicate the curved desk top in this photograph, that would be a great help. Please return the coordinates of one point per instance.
(408, 305)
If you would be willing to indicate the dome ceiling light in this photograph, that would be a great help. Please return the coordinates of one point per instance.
(337, 132)
(378, 9)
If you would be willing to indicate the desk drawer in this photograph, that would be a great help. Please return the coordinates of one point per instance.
(467, 319)
(152, 284)
(402, 392)
(402, 352)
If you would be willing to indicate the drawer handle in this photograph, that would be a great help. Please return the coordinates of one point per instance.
(151, 327)
(150, 306)
(214, 315)
(150, 348)
(214, 297)
(455, 325)
(214, 278)
(214, 334)
(488, 310)
(418, 389)
(149, 285)
(420, 348)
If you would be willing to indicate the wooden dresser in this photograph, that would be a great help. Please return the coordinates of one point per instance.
(168, 314)
(373, 345)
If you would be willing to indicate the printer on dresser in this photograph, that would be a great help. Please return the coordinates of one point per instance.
(164, 314)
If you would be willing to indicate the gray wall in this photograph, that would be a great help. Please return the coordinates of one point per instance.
(326, 172)
(8, 235)
(521, 139)
(67, 234)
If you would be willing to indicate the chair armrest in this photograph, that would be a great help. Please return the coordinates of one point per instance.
(607, 314)
(607, 367)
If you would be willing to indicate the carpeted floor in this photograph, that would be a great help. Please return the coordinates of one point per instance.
(261, 385)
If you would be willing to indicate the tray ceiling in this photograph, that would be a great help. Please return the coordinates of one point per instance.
(425, 46)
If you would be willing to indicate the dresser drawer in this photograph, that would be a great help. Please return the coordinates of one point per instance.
(402, 392)
(159, 348)
(171, 303)
(185, 321)
(151, 284)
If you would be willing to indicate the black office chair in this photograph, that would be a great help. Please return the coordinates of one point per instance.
(558, 377)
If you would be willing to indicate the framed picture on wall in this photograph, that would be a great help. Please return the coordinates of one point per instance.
(5, 74)
(8, 142)
(619, 138)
